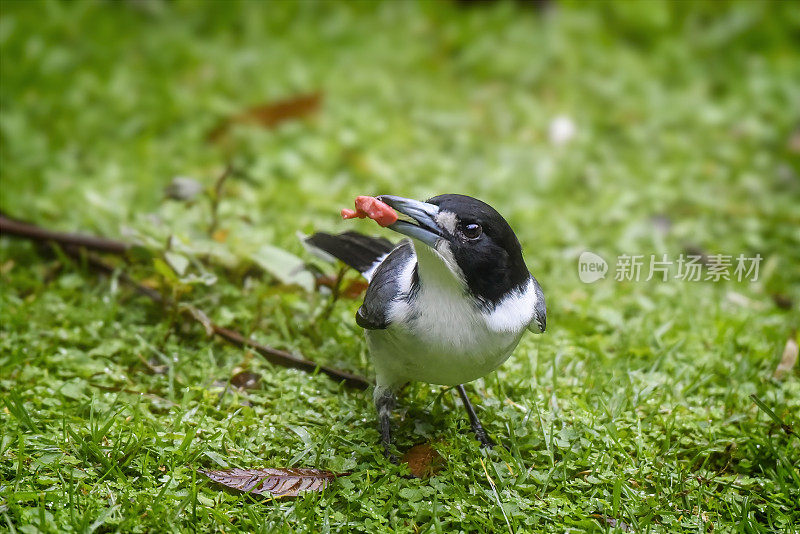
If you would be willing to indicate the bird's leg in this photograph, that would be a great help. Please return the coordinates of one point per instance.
(385, 402)
(480, 433)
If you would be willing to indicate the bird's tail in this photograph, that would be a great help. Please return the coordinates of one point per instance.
(362, 253)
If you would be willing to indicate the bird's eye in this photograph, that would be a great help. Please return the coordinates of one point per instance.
(472, 231)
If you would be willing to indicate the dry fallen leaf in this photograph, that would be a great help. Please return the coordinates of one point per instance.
(277, 482)
(352, 290)
(220, 236)
(423, 460)
(788, 360)
(153, 366)
(270, 115)
(784, 302)
(245, 380)
(326, 280)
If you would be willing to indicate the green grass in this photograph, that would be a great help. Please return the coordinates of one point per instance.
(634, 406)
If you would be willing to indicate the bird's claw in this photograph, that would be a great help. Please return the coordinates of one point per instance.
(485, 440)
(387, 453)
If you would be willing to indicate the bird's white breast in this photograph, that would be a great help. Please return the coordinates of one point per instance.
(443, 336)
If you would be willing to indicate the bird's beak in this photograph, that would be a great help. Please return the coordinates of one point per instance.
(422, 226)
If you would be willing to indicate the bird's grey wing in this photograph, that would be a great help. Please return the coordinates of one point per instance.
(384, 288)
(539, 322)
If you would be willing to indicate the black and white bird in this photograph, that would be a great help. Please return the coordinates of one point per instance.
(447, 306)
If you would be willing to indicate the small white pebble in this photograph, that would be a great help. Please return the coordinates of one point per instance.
(562, 130)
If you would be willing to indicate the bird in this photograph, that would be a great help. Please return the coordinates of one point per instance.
(445, 306)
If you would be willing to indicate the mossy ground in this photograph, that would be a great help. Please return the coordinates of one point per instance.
(634, 407)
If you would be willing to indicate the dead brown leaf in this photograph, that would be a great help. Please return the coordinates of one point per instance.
(245, 380)
(326, 280)
(782, 301)
(352, 290)
(153, 366)
(220, 236)
(788, 360)
(277, 482)
(270, 115)
(423, 460)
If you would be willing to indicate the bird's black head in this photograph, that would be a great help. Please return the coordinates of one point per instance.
(472, 234)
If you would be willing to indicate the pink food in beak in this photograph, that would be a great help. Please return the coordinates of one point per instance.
(373, 208)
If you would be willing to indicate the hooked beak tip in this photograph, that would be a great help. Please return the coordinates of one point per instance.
(423, 215)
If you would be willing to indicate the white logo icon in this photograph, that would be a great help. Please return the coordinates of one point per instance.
(591, 267)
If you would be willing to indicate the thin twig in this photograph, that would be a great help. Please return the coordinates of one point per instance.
(216, 198)
(30, 231)
(336, 291)
(75, 245)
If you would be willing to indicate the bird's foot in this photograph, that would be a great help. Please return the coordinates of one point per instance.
(388, 454)
(384, 403)
(483, 437)
(475, 423)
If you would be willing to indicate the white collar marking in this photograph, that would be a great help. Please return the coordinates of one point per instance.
(515, 311)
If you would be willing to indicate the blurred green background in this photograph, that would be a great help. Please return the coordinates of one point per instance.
(679, 132)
